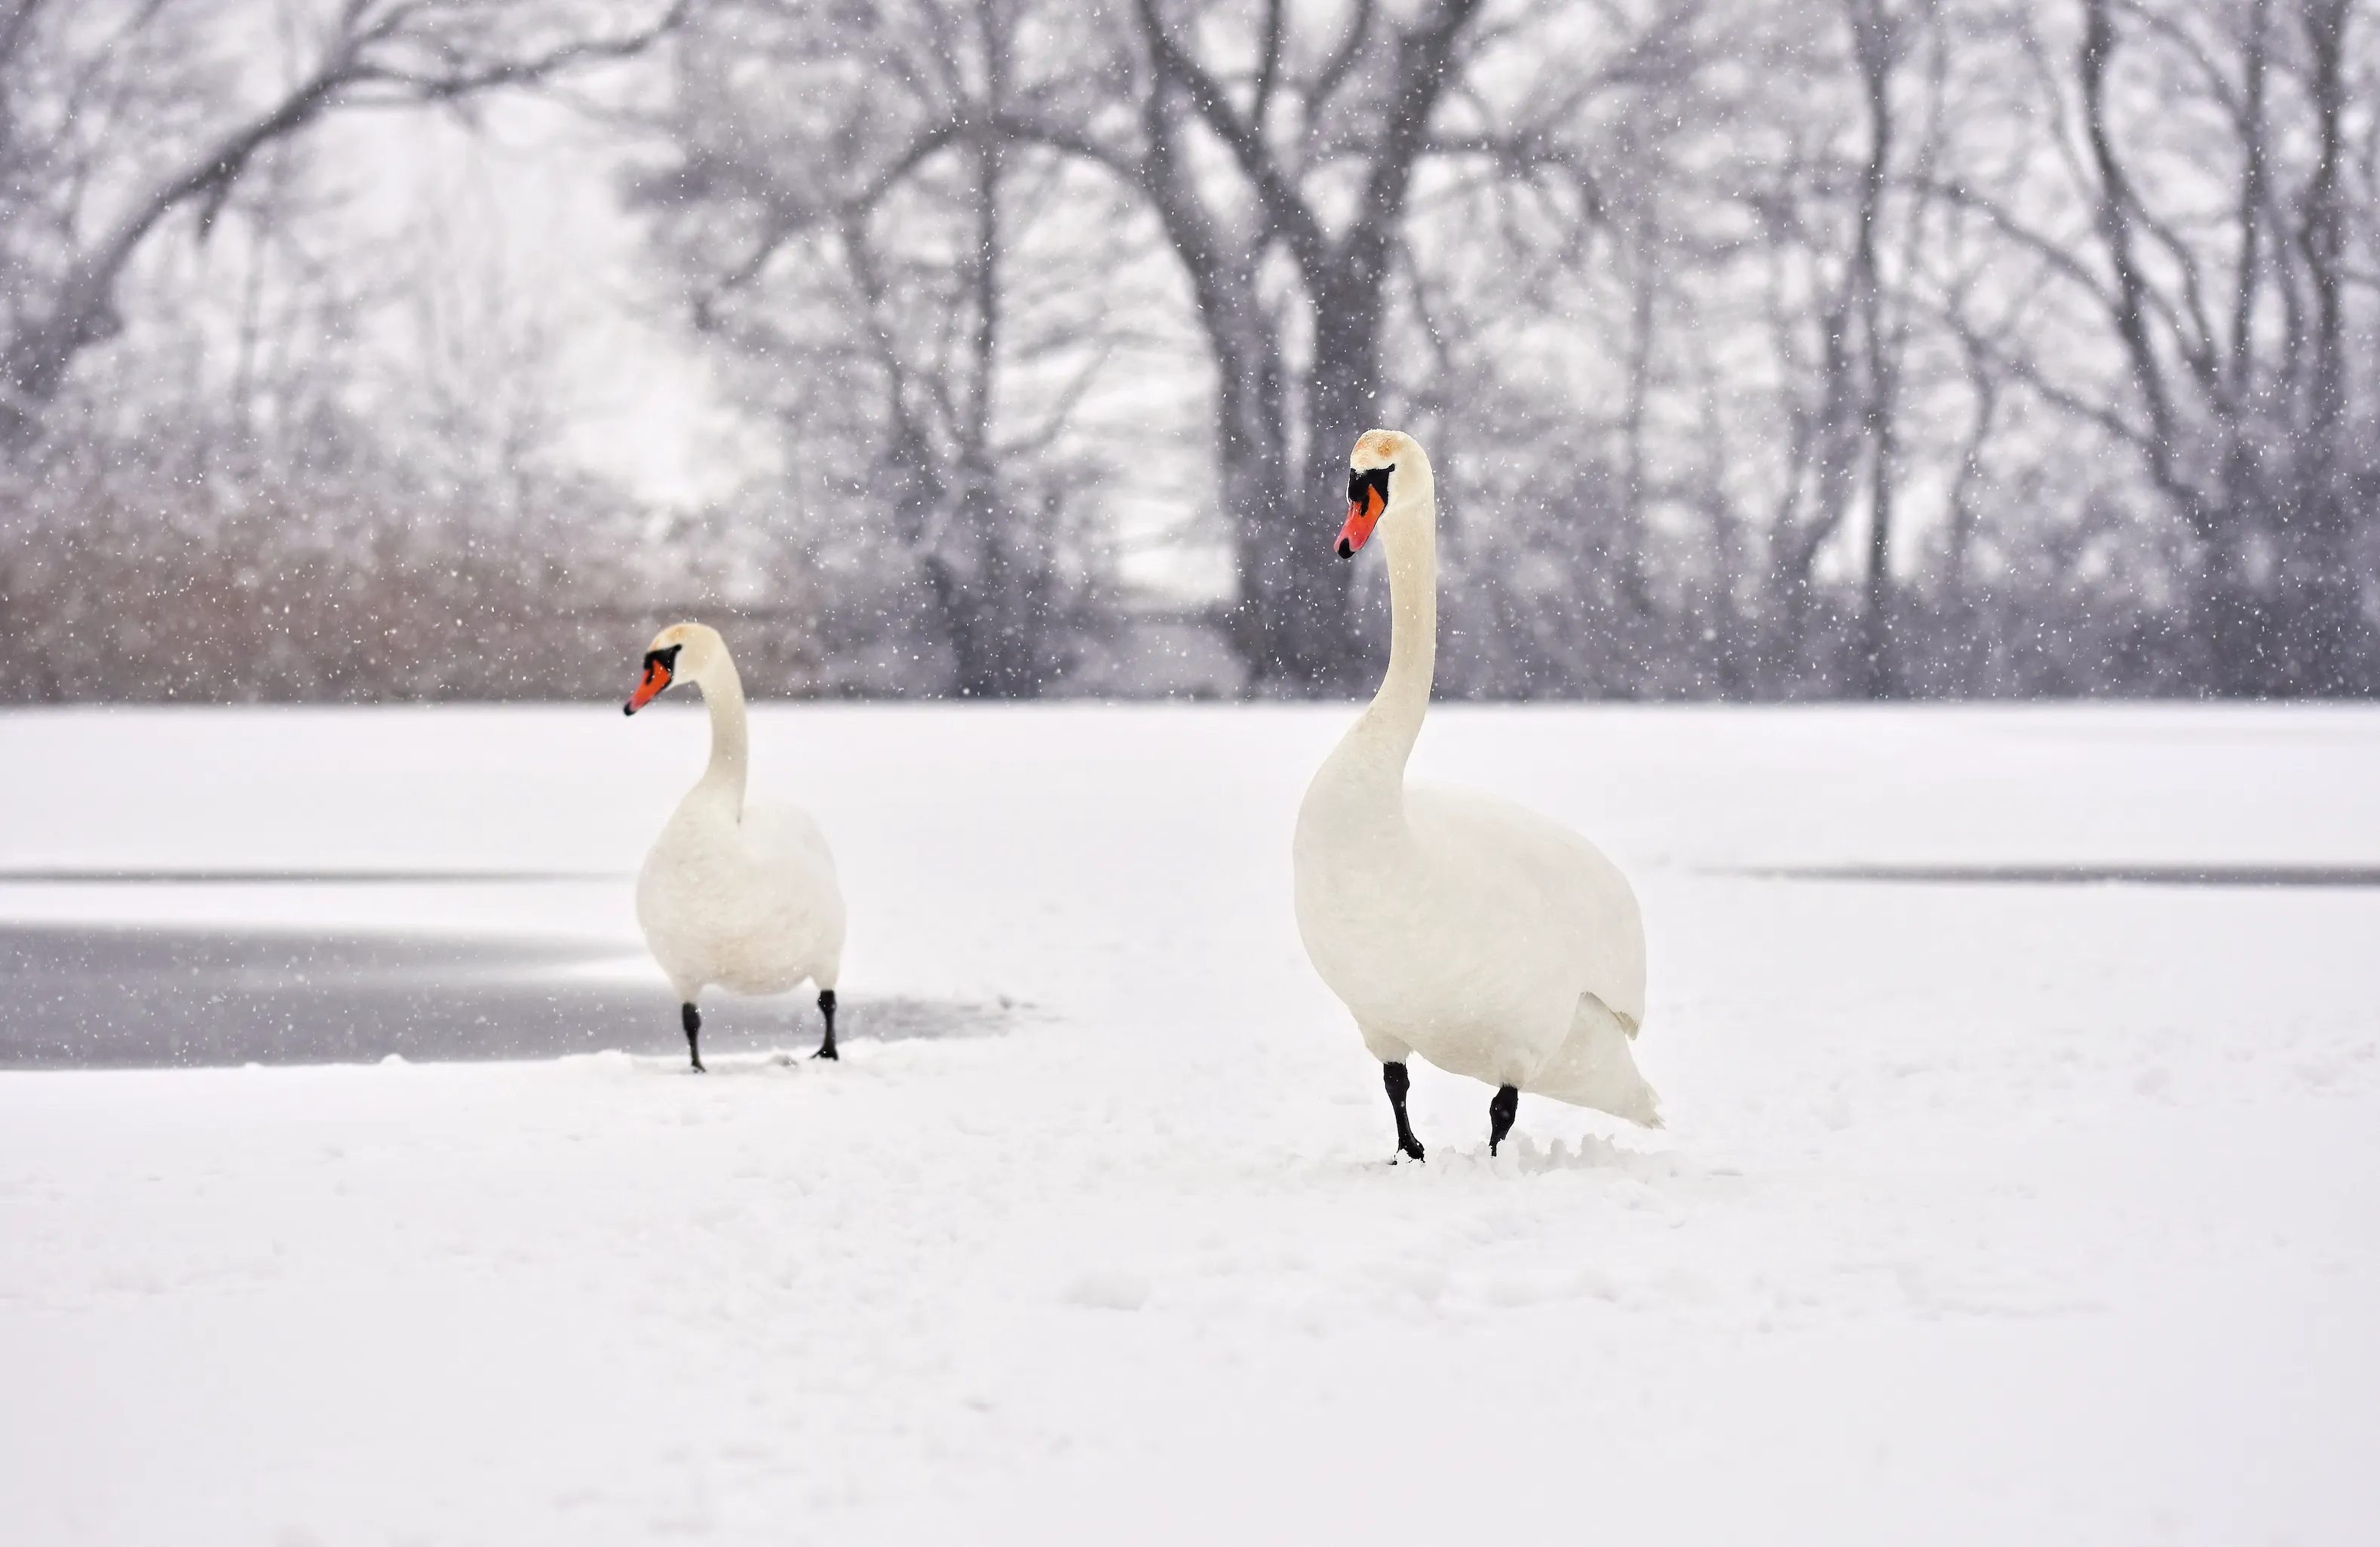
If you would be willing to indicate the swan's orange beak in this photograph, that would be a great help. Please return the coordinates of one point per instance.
(1363, 515)
(656, 677)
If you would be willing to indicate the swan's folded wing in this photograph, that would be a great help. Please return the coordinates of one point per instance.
(1547, 878)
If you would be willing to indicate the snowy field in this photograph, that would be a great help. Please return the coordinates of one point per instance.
(1986, 1212)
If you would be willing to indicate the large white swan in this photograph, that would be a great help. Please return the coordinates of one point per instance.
(1490, 940)
(740, 896)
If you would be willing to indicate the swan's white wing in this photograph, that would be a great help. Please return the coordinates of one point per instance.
(1539, 884)
(805, 900)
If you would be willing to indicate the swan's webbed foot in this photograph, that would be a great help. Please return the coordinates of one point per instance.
(693, 1018)
(826, 1008)
(1502, 1107)
(1399, 1082)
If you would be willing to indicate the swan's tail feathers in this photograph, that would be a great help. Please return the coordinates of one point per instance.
(1597, 1067)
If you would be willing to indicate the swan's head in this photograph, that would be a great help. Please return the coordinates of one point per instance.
(680, 650)
(1371, 482)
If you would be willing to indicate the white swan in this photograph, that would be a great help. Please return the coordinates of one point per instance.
(740, 896)
(1490, 940)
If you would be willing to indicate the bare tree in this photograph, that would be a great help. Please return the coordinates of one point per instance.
(199, 431)
(2224, 252)
(105, 135)
(1360, 108)
(1542, 312)
(855, 223)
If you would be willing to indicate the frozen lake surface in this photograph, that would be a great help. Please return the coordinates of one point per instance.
(2022, 1180)
(182, 996)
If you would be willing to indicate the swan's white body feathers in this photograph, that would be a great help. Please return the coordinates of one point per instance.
(1491, 941)
(750, 906)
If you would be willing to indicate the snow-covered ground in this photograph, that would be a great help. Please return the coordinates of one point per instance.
(1986, 1212)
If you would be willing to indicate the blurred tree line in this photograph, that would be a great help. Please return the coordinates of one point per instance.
(1766, 348)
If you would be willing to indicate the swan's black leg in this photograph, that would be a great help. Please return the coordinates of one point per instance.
(693, 1018)
(1502, 1107)
(1399, 1082)
(826, 1008)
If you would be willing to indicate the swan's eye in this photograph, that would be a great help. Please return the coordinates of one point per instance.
(1373, 478)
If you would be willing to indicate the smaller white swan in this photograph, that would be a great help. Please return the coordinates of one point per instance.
(1490, 940)
(740, 896)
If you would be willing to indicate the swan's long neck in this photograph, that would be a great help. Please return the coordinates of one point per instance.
(730, 741)
(1375, 750)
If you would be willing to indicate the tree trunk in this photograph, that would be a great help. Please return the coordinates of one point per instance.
(2324, 638)
(1875, 51)
(1252, 454)
(1317, 642)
